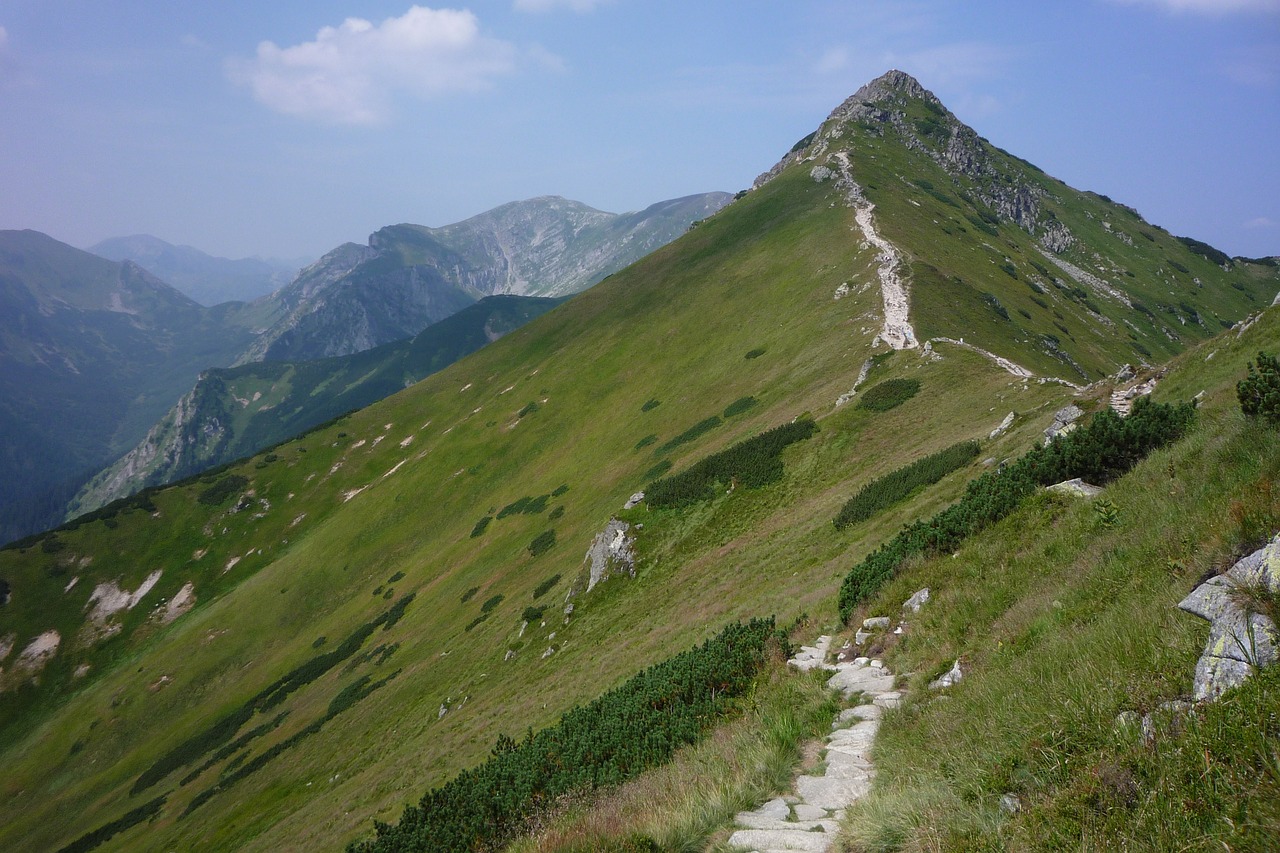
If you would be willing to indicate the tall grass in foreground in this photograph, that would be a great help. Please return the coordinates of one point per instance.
(684, 804)
(1063, 623)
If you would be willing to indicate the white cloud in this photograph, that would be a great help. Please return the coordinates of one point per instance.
(1209, 7)
(552, 5)
(832, 60)
(1262, 222)
(349, 73)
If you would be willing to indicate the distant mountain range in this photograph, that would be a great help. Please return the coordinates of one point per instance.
(207, 279)
(409, 276)
(98, 355)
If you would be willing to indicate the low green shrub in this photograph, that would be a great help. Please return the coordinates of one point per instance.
(491, 603)
(755, 353)
(650, 405)
(651, 438)
(614, 738)
(753, 463)
(222, 489)
(481, 526)
(533, 614)
(895, 486)
(542, 543)
(103, 834)
(1105, 449)
(529, 409)
(700, 428)
(889, 394)
(469, 594)
(739, 406)
(1259, 392)
(546, 586)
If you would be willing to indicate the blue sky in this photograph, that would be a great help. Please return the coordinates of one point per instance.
(284, 129)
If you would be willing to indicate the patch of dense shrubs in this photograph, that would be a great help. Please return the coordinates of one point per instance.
(650, 405)
(345, 699)
(559, 490)
(224, 729)
(897, 485)
(755, 353)
(1098, 453)
(657, 470)
(556, 513)
(622, 733)
(889, 394)
(222, 489)
(753, 463)
(529, 409)
(106, 832)
(700, 428)
(481, 526)
(533, 614)
(651, 438)
(739, 406)
(491, 603)
(546, 586)
(525, 506)
(542, 543)
(235, 746)
(469, 594)
(1259, 392)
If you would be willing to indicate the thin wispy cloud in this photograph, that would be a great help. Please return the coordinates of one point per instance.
(553, 5)
(1209, 7)
(352, 73)
(1262, 222)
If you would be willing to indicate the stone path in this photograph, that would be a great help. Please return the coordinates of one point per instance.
(809, 818)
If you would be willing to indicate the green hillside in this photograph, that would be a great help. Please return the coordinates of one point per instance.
(234, 412)
(385, 562)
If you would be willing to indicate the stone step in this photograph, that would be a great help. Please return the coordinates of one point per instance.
(769, 840)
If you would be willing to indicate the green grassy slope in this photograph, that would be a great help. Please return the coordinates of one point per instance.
(1064, 617)
(349, 519)
(237, 411)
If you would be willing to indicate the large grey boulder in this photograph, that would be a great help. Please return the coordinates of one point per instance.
(1064, 420)
(1240, 640)
(1076, 487)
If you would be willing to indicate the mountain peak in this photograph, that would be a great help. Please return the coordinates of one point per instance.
(893, 82)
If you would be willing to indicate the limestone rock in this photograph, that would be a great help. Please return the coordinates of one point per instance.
(1004, 425)
(1239, 640)
(916, 601)
(952, 676)
(1076, 487)
(1064, 420)
(874, 623)
(612, 550)
(634, 500)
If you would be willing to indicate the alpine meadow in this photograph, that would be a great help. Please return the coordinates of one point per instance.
(861, 378)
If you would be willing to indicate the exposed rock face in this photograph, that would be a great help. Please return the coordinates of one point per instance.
(1064, 420)
(916, 601)
(1240, 640)
(611, 551)
(882, 105)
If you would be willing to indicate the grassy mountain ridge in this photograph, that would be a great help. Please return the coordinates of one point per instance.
(352, 517)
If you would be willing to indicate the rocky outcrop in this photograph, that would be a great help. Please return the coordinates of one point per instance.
(1241, 637)
(1064, 421)
(612, 551)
